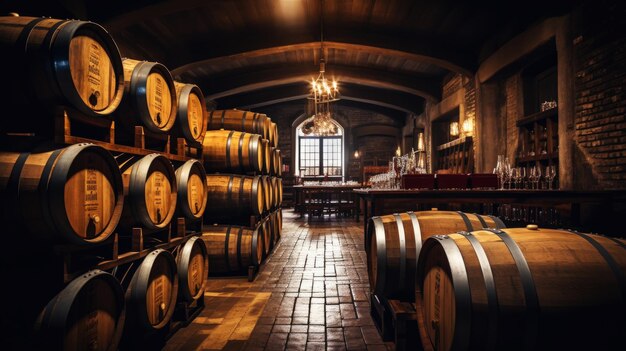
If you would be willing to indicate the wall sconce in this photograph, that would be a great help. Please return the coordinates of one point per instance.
(356, 154)
(454, 129)
(468, 126)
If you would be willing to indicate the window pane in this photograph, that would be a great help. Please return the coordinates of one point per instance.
(332, 156)
(309, 156)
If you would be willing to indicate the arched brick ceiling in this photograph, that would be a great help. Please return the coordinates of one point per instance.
(390, 54)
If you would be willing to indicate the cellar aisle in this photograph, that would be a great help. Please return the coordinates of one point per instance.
(311, 294)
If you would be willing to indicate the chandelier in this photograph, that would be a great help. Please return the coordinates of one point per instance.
(323, 92)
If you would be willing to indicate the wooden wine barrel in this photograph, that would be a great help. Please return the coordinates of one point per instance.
(193, 268)
(150, 191)
(192, 190)
(241, 121)
(71, 195)
(265, 232)
(267, 192)
(522, 289)
(276, 162)
(152, 292)
(149, 97)
(273, 134)
(87, 315)
(276, 222)
(233, 196)
(232, 249)
(265, 146)
(277, 192)
(52, 62)
(278, 230)
(231, 151)
(191, 118)
(395, 242)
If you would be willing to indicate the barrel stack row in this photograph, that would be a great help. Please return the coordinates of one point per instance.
(74, 67)
(243, 220)
(70, 209)
(477, 285)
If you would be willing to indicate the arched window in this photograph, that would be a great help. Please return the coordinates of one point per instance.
(319, 155)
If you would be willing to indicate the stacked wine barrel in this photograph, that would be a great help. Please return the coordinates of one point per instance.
(243, 220)
(78, 207)
(480, 286)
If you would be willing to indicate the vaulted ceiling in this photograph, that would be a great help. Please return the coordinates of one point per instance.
(387, 55)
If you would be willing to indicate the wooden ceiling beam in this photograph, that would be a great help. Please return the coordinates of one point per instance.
(427, 88)
(427, 56)
(393, 100)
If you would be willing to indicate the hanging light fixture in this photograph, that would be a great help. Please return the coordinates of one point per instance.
(323, 92)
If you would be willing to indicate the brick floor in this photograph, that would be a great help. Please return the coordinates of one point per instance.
(311, 294)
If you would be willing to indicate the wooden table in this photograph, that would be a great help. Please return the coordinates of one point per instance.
(299, 190)
(378, 202)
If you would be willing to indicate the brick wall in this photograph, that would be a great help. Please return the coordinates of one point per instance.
(600, 90)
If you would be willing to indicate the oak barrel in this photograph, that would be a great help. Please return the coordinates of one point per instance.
(149, 97)
(192, 190)
(70, 195)
(522, 289)
(232, 151)
(193, 268)
(150, 192)
(266, 181)
(152, 292)
(241, 121)
(273, 134)
(276, 162)
(233, 196)
(395, 242)
(191, 117)
(276, 223)
(277, 192)
(232, 249)
(265, 146)
(265, 232)
(279, 223)
(52, 62)
(88, 314)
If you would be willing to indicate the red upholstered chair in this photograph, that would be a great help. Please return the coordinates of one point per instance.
(452, 181)
(418, 181)
(483, 181)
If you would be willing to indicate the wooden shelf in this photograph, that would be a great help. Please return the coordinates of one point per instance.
(535, 117)
(456, 156)
(541, 157)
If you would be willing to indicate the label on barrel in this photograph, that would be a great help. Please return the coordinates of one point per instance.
(195, 109)
(91, 68)
(157, 196)
(91, 189)
(95, 51)
(194, 274)
(157, 101)
(195, 193)
(158, 299)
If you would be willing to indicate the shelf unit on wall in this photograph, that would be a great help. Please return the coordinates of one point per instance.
(456, 156)
(538, 129)
(539, 139)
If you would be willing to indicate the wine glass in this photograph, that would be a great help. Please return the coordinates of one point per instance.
(531, 176)
(550, 175)
(499, 171)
